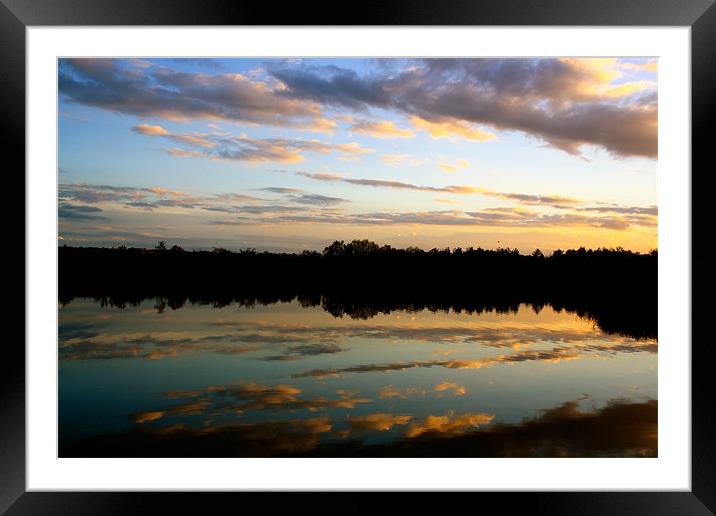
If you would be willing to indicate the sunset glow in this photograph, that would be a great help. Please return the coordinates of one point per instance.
(292, 154)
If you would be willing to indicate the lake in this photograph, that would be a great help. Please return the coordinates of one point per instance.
(287, 379)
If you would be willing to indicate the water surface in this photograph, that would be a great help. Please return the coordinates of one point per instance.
(288, 379)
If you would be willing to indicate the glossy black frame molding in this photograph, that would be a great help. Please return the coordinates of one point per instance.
(700, 15)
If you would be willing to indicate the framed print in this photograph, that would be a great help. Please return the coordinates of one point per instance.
(426, 249)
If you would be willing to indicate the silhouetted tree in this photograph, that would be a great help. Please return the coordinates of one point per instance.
(337, 248)
(361, 248)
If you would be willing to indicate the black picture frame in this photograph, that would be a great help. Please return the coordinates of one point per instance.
(700, 15)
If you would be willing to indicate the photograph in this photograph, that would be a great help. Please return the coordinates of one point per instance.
(357, 257)
(415, 250)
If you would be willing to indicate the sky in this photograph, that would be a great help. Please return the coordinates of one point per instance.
(292, 154)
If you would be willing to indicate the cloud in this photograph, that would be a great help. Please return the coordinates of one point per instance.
(650, 66)
(144, 198)
(298, 352)
(506, 217)
(152, 347)
(621, 428)
(78, 330)
(379, 422)
(182, 153)
(458, 165)
(449, 425)
(554, 355)
(150, 130)
(319, 125)
(331, 85)
(504, 336)
(401, 160)
(281, 190)
(161, 92)
(625, 210)
(390, 391)
(147, 198)
(250, 210)
(457, 390)
(317, 200)
(93, 194)
(88, 342)
(452, 129)
(351, 151)
(249, 214)
(364, 368)
(555, 201)
(379, 183)
(194, 140)
(144, 417)
(78, 212)
(566, 103)
(236, 197)
(224, 146)
(88, 349)
(242, 398)
(547, 200)
(385, 129)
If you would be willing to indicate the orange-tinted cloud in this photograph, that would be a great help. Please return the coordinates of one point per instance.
(390, 391)
(242, 398)
(150, 130)
(457, 390)
(224, 146)
(382, 129)
(449, 425)
(377, 422)
(143, 417)
(452, 129)
(453, 167)
(401, 160)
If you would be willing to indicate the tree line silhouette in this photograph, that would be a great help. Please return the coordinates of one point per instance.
(615, 288)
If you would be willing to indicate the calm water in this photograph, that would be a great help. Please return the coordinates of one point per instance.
(281, 379)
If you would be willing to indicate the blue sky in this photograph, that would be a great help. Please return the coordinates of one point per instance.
(292, 154)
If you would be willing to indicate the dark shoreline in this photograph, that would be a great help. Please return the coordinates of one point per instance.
(616, 289)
